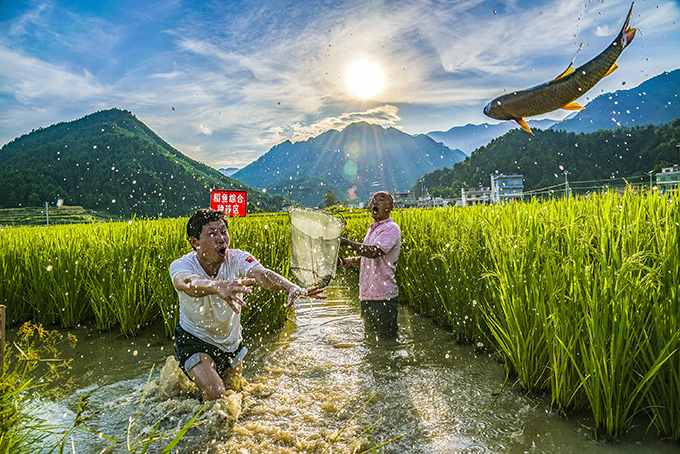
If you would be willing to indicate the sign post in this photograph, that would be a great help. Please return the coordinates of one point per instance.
(232, 203)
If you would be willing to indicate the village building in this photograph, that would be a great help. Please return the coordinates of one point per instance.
(404, 200)
(475, 196)
(669, 177)
(505, 188)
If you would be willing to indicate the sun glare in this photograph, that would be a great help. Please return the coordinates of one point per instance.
(365, 79)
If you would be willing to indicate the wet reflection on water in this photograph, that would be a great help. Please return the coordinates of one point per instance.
(323, 385)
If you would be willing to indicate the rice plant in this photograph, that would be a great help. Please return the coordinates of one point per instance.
(21, 430)
(578, 298)
(117, 273)
(268, 239)
(441, 266)
(12, 293)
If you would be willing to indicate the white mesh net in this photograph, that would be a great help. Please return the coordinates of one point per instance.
(315, 244)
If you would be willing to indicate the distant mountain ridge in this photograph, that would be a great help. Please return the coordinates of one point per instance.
(358, 160)
(470, 137)
(228, 171)
(111, 161)
(595, 161)
(655, 101)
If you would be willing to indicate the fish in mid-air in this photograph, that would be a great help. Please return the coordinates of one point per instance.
(561, 92)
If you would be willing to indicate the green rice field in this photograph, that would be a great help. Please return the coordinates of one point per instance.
(577, 298)
(52, 216)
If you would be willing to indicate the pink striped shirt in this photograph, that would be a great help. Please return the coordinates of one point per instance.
(377, 276)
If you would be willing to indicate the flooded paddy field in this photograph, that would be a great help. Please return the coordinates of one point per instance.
(321, 384)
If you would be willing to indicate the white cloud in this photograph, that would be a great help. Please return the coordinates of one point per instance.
(386, 116)
(33, 81)
(168, 75)
(657, 19)
(18, 28)
(244, 78)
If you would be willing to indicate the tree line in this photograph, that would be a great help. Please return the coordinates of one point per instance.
(543, 158)
(111, 161)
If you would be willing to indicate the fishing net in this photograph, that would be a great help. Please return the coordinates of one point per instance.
(315, 244)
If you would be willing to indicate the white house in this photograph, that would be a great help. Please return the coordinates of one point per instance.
(668, 178)
(476, 196)
(506, 187)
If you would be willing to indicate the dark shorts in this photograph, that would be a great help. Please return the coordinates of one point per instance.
(380, 316)
(187, 347)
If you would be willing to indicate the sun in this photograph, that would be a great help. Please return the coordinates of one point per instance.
(365, 79)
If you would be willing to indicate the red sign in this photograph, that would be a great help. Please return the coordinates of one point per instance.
(233, 203)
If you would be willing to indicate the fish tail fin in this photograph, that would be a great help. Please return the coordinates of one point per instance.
(627, 34)
(524, 125)
(630, 34)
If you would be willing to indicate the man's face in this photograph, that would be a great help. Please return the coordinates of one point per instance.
(380, 206)
(213, 242)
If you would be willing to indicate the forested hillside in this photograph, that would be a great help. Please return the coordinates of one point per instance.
(597, 157)
(111, 161)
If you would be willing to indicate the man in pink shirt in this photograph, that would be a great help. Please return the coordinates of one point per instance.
(377, 260)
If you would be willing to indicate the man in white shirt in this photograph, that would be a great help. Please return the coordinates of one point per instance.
(209, 282)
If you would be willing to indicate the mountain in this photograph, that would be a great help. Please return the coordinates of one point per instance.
(594, 160)
(470, 137)
(111, 161)
(228, 171)
(654, 101)
(358, 160)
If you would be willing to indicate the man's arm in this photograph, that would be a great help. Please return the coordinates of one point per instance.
(197, 286)
(271, 280)
(371, 251)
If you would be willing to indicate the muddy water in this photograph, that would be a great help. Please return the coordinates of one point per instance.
(323, 385)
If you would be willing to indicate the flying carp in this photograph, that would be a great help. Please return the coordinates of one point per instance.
(567, 87)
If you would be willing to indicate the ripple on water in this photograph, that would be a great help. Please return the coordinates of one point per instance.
(323, 384)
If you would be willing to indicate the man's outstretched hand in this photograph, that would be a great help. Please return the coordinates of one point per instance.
(309, 292)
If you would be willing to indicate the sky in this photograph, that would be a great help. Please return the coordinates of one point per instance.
(224, 81)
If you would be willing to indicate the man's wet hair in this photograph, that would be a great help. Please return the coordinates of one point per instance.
(202, 217)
